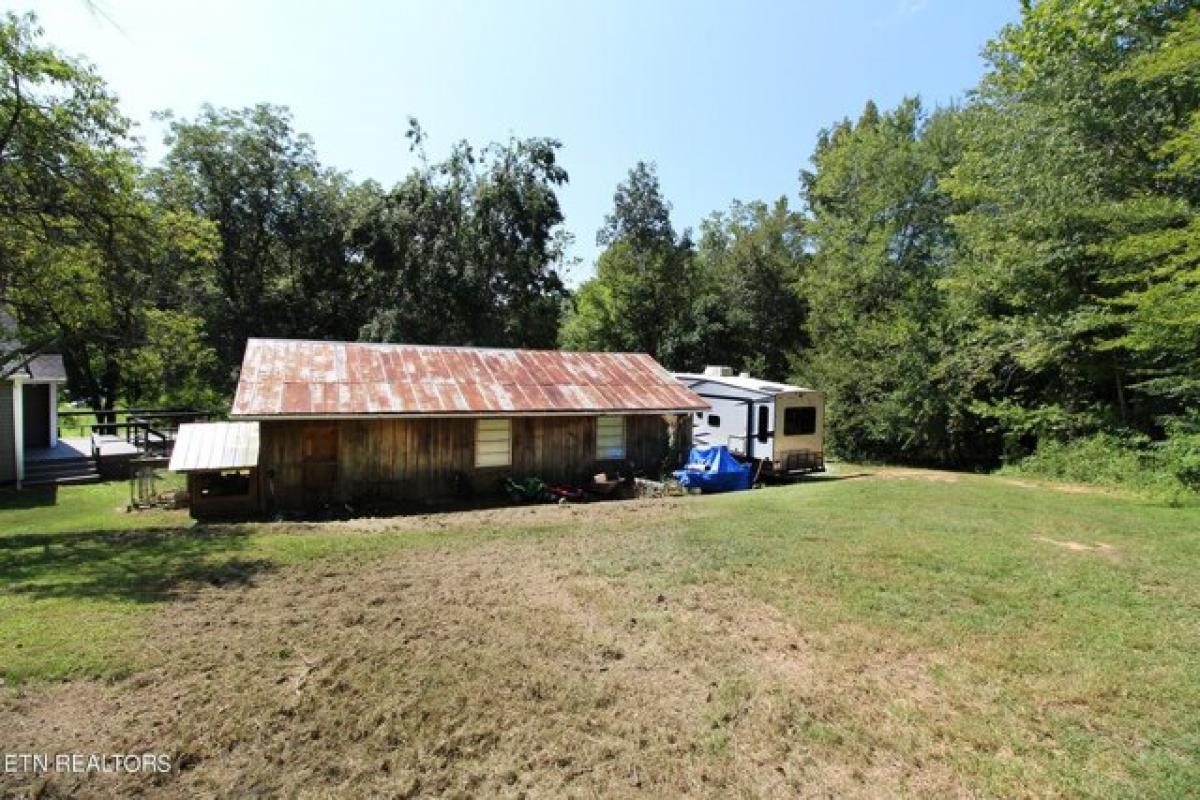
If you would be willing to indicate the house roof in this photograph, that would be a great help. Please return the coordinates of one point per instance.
(19, 361)
(288, 378)
(209, 446)
(44, 367)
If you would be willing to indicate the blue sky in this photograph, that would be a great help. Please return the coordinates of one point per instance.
(727, 98)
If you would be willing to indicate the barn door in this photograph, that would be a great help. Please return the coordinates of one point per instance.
(319, 461)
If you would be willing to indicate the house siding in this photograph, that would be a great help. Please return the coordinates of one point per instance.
(425, 460)
(8, 445)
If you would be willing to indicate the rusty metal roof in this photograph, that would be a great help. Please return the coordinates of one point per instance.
(283, 377)
(208, 446)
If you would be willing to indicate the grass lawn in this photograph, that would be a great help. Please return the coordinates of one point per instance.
(81, 509)
(889, 632)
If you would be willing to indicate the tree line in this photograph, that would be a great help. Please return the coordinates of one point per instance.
(966, 282)
(150, 278)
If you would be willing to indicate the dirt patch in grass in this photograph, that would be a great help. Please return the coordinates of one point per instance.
(1067, 488)
(942, 476)
(505, 516)
(507, 668)
(916, 474)
(1099, 548)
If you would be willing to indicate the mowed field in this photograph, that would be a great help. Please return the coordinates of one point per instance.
(880, 633)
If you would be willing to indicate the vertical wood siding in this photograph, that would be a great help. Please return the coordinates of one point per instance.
(431, 460)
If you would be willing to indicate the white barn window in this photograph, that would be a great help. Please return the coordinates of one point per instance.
(610, 438)
(493, 443)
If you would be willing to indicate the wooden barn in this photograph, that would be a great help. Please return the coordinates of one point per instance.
(361, 423)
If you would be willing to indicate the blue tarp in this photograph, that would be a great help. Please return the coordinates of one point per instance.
(714, 469)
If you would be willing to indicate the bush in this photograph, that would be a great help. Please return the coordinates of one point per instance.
(1181, 455)
(1168, 469)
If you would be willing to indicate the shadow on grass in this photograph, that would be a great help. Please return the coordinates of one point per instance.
(820, 477)
(143, 566)
(12, 499)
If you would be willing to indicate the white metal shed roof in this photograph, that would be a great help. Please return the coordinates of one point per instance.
(204, 446)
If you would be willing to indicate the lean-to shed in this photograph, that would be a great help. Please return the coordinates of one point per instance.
(220, 460)
(349, 422)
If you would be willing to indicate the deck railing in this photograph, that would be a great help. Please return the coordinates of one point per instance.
(82, 420)
(150, 430)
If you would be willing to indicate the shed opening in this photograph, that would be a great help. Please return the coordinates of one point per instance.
(223, 484)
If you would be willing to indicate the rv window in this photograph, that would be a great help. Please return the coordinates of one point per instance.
(699, 416)
(799, 421)
(764, 421)
(714, 420)
(610, 438)
(493, 443)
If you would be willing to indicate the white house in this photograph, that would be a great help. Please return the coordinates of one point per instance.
(28, 408)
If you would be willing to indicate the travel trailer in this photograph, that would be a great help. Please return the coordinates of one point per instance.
(777, 424)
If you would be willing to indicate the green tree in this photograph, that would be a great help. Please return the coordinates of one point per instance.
(59, 131)
(468, 251)
(284, 267)
(881, 240)
(1061, 164)
(1159, 310)
(640, 299)
(85, 255)
(750, 315)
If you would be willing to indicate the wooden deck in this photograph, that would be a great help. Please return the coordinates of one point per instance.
(70, 461)
(115, 446)
(65, 450)
(71, 448)
(73, 457)
(125, 435)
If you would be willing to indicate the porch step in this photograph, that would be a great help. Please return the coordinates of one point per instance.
(71, 480)
(61, 471)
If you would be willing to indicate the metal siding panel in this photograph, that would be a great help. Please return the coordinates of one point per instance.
(377, 402)
(494, 365)
(405, 400)
(295, 399)
(440, 392)
(269, 396)
(520, 372)
(536, 397)
(423, 395)
(546, 371)
(518, 396)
